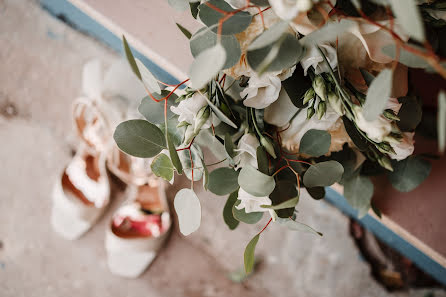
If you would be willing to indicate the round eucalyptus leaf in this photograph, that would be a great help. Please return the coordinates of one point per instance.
(235, 24)
(206, 66)
(409, 173)
(410, 113)
(316, 193)
(223, 181)
(269, 36)
(290, 52)
(188, 208)
(247, 218)
(323, 174)
(358, 191)
(162, 167)
(315, 143)
(154, 111)
(256, 183)
(139, 138)
(378, 95)
(205, 38)
(180, 5)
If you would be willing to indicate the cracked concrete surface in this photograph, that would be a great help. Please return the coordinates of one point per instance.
(41, 61)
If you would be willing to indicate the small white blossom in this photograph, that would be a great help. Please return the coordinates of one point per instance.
(247, 151)
(261, 91)
(189, 108)
(404, 148)
(376, 130)
(313, 58)
(292, 136)
(252, 203)
(288, 9)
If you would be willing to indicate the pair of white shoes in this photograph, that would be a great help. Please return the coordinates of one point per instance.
(81, 195)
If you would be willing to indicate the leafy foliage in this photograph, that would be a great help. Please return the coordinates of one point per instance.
(188, 209)
(315, 143)
(409, 173)
(139, 138)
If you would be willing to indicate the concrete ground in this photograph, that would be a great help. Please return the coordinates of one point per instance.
(41, 61)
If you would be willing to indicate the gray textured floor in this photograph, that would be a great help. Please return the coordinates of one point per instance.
(41, 61)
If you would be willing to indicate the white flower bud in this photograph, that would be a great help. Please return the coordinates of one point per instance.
(319, 87)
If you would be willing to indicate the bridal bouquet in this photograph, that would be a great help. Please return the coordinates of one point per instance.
(290, 95)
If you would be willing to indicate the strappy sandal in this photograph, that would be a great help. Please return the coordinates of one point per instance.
(138, 229)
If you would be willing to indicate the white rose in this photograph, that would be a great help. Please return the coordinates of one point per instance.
(376, 130)
(314, 58)
(247, 151)
(261, 91)
(252, 203)
(288, 9)
(292, 136)
(189, 108)
(404, 148)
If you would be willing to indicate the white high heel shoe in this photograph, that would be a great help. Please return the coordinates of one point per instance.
(138, 230)
(81, 195)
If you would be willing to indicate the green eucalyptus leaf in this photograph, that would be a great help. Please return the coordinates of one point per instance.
(323, 174)
(409, 17)
(409, 173)
(220, 114)
(207, 65)
(377, 95)
(359, 141)
(255, 182)
(247, 218)
(249, 254)
(297, 79)
(260, 2)
(154, 111)
(205, 38)
(147, 78)
(269, 36)
(139, 138)
(205, 177)
(194, 8)
(315, 143)
(180, 5)
(184, 31)
(229, 146)
(407, 58)
(316, 193)
(228, 217)
(329, 32)
(410, 113)
(174, 154)
(262, 160)
(290, 52)
(130, 58)
(235, 24)
(188, 208)
(284, 196)
(297, 226)
(162, 167)
(358, 191)
(223, 181)
(441, 121)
